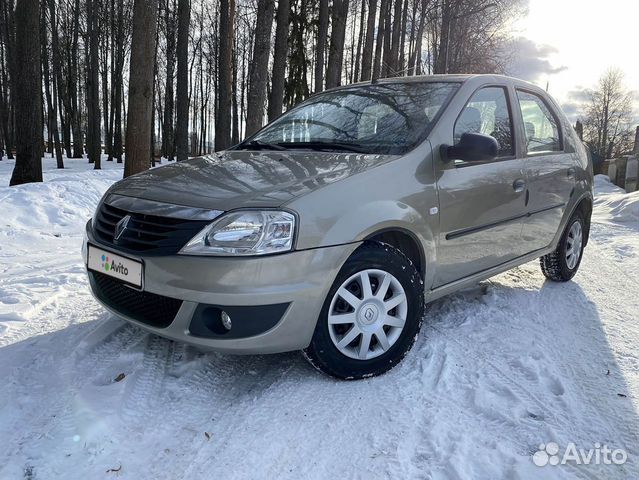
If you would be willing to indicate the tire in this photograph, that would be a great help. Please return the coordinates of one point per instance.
(390, 273)
(558, 266)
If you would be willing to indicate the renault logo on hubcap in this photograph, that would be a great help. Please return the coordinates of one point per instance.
(368, 314)
(120, 227)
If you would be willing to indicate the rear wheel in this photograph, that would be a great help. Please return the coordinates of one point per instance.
(562, 264)
(371, 315)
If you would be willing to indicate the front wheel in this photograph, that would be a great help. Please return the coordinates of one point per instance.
(371, 316)
(562, 264)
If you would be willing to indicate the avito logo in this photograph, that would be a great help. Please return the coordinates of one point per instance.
(115, 267)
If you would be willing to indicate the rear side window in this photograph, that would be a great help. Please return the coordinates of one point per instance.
(488, 112)
(540, 123)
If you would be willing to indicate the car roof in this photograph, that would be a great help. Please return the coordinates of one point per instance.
(456, 78)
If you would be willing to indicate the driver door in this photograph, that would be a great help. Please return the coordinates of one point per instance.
(481, 204)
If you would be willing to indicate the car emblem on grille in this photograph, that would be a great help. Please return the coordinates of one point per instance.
(120, 227)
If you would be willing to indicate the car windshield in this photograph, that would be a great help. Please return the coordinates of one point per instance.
(378, 118)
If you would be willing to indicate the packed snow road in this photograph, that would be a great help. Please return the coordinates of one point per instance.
(497, 371)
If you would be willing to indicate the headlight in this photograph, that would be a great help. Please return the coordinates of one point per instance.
(246, 232)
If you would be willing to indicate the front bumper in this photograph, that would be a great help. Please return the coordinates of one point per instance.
(298, 280)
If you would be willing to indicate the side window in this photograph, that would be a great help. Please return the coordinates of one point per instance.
(541, 125)
(487, 112)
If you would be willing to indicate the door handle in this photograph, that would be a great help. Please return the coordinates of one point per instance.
(519, 185)
(571, 172)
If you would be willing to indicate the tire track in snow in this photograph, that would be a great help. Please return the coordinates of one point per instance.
(433, 440)
(55, 420)
(218, 395)
(142, 393)
(539, 403)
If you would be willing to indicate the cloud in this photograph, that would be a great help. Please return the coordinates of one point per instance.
(530, 60)
(573, 111)
(579, 95)
(575, 102)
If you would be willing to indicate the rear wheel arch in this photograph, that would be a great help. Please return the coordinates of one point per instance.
(585, 208)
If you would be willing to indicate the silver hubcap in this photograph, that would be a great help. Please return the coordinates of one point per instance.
(367, 314)
(573, 245)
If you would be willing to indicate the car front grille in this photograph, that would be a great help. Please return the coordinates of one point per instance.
(149, 308)
(148, 234)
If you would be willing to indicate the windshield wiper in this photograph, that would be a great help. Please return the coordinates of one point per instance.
(347, 146)
(259, 145)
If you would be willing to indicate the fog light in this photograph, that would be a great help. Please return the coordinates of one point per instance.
(226, 320)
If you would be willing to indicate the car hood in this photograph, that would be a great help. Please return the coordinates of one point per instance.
(239, 179)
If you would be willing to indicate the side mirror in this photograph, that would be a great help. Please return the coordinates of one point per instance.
(472, 147)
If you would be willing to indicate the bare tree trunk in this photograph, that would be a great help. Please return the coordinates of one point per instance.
(57, 81)
(396, 31)
(111, 92)
(118, 84)
(245, 60)
(443, 50)
(235, 134)
(322, 36)
(7, 29)
(117, 124)
(46, 77)
(93, 104)
(153, 96)
(381, 33)
(74, 110)
(140, 109)
(223, 117)
(4, 104)
(28, 94)
(411, 41)
(336, 49)
(182, 121)
(258, 75)
(49, 88)
(202, 102)
(231, 36)
(387, 57)
(103, 36)
(367, 56)
(168, 147)
(276, 98)
(360, 39)
(399, 67)
(417, 51)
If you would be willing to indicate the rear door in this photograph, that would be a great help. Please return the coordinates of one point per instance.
(482, 205)
(550, 169)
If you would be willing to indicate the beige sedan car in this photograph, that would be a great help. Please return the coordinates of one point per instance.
(329, 229)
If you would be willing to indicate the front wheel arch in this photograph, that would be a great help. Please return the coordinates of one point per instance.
(324, 354)
(404, 241)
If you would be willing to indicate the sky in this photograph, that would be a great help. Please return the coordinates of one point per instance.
(568, 44)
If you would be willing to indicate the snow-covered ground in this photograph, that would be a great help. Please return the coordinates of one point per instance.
(497, 370)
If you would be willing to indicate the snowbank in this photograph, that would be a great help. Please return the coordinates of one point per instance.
(41, 230)
(59, 204)
(613, 204)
